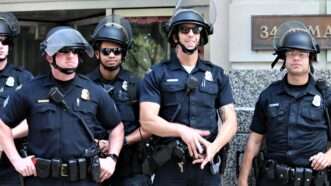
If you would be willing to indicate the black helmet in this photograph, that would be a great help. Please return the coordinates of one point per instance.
(293, 35)
(300, 40)
(114, 29)
(188, 16)
(63, 37)
(9, 26)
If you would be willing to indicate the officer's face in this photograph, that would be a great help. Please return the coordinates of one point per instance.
(189, 35)
(297, 62)
(4, 48)
(110, 55)
(67, 58)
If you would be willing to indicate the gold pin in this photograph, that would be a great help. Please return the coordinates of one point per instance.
(10, 82)
(85, 94)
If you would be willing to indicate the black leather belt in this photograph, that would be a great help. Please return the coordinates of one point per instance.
(75, 169)
(296, 175)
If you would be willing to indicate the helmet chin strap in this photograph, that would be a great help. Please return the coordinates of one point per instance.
(186, 50)
(63, 70)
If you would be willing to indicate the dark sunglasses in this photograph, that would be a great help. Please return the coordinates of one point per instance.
(186, 30)
(68, 50)
(5, 41)
(115, 51)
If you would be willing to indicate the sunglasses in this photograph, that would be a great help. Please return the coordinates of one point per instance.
(115, 51)
(5, 41)
(186, 30)
(68, 50)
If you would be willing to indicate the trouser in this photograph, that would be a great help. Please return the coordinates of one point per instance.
(8, 175)
(188, 175)
(35, 181)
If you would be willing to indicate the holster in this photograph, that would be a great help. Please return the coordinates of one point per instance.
(282, 173)
(73, 170)
(269, 169)
(215, 165)
(298, 176)
(95, 168)
(308, 177)
(43, 167)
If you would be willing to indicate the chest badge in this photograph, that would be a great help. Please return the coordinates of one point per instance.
(10, 82)
(317, 101)
(85, 95)
(125, 85)
(209, 76)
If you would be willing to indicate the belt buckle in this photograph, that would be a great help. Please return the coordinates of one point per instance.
(64, 170)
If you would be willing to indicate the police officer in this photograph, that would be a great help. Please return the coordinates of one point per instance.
(62, 110)
(289, 115)
(112, 38)
(11, 78)
(180, 98)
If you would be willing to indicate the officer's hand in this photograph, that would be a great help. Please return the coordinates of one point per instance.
(320, 161)
(210, 151)
(192, 138)
(25, 166)
(107, 166)
(103, 145)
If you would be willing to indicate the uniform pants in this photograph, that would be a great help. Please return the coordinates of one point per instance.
(268, 182)
(170, 174)
(35, 181)
(8, 176)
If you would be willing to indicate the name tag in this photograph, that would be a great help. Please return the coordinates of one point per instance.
(43, 101)
(172, 80)
(274, 105)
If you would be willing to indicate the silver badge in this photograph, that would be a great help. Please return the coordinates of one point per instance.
(209, 76)
(10, 82)
(85, 95)
(125, 85)
(317, 101)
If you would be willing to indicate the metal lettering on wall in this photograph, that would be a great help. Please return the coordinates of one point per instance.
(265, 27)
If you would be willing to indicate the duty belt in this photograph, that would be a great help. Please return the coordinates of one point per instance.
(73, 170)
(296, 175)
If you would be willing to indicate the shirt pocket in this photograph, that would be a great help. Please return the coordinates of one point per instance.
(87, 111)
(172, 92)
(43, 118)
(208, 93)
(312, 113)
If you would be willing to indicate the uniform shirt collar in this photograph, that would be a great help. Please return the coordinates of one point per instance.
(96, 75)
(201, 65)
(7, 70)
(50, 81)
(310, 88)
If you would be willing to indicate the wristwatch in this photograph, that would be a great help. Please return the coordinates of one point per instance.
(113, 156)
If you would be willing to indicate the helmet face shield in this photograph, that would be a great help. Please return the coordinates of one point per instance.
(65, 37)
(293, 35)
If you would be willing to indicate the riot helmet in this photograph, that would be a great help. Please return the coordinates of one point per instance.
(114, 29)
(294, 35)
(64, 37)
(185, 13)
(9, 25)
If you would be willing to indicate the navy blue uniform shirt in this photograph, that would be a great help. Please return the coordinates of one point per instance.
(293, 122)
(11, 79)
(54, 132)
(197, 107)
(123, 89)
